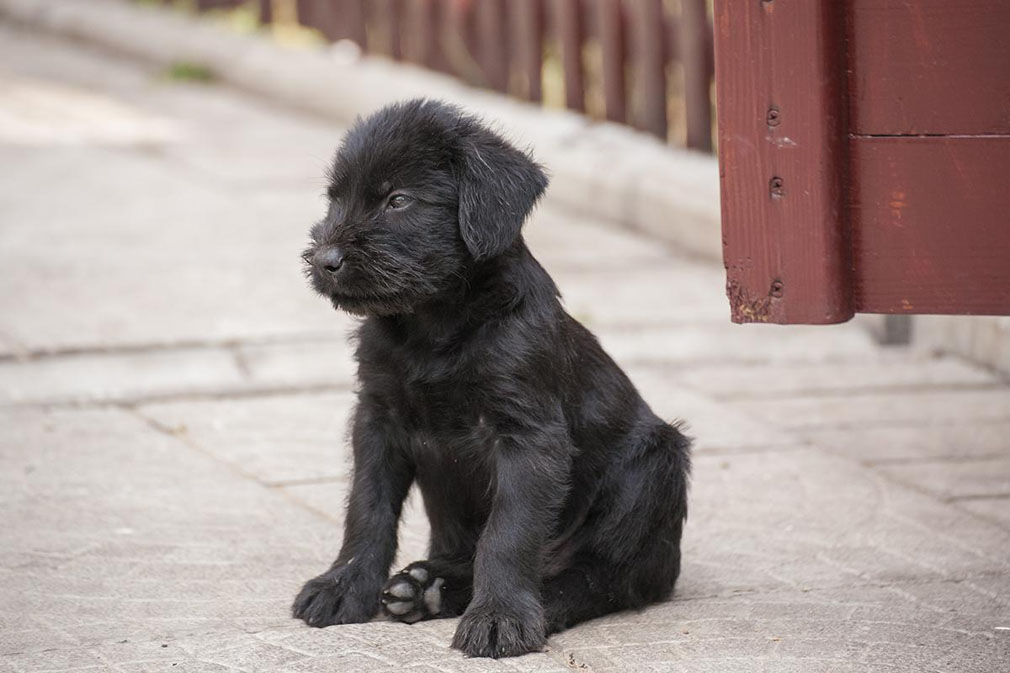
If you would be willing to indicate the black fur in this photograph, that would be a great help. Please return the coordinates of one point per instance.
(554, 494)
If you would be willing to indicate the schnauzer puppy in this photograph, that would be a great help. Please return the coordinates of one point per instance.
(554, 493)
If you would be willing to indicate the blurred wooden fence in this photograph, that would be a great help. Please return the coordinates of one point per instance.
(645, 63)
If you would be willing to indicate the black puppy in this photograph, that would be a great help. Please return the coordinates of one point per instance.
(554, 494)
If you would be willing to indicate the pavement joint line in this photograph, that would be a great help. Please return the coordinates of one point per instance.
(875, 424)
(816, 588)
(308, 481)
(156, 347)
(707, 361)
(925, 460)
(883, 357)
(979, 496)
(210, 395)
(883, 389)
(777, 447)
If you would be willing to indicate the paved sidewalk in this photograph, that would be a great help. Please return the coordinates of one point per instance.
(173, 402)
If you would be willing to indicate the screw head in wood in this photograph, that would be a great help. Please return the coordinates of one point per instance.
(776, 186)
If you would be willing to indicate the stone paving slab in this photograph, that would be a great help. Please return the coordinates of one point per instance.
(657, 294)
(119, 376)
(713, 344)
(996, 510)
(716, 428)
(950, 480)
(107, 520)
(851, 629)
(924, 406)
(275, 440)
(915, 441)
(147, 298)
(895, 373)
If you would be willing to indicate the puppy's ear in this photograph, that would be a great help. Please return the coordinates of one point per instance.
(498, 187)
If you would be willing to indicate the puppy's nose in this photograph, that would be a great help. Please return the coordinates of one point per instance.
(329, 259)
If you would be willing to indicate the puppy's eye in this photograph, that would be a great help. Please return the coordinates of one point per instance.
(398, 202)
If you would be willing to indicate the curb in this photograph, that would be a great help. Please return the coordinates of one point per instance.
(602, 169)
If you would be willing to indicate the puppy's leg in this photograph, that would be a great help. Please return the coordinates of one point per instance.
(584, 591)
(429, 589)
(349, 591)
(633, 556)
(505, 617)
(594, 586)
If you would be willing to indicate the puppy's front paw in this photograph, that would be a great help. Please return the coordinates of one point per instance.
(338, 596)
(413, 594)
(501, 630)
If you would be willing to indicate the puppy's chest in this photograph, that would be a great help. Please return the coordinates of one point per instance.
(446, 414)
(443, 405)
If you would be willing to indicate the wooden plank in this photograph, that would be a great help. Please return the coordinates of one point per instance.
(354, 16)
(384, 22)
(423, 40)
(693, 32)
(527, 29)
(461, 46)
(266, 11)
(930, 66)
(930, 227)
(611, 25)
(570, 31)
(491, 48)
(779, 75)
(339, 20)
(397, 13)
(650, 45)
(304, 13)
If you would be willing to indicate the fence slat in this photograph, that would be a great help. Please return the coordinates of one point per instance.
(353, 14)
(694, 29)
(336, 19)
(491, 51)
(611, 27)
(650, 66)
(323, 16)
(266, 11)
(569, 30)
(303, 13)
(395, 24)
(526, 21)
(460, 39)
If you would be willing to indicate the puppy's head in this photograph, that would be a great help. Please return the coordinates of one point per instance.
(418, 193)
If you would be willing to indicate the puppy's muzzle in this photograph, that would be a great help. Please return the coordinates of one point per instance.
(328, 260)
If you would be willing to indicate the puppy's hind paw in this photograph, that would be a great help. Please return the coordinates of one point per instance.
(413, 594)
